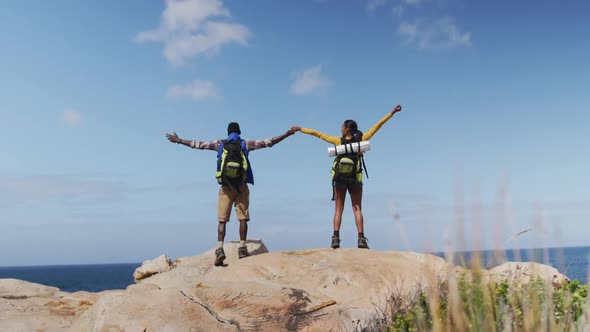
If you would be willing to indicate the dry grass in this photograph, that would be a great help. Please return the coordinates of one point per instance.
(471, 300)
(468, 303)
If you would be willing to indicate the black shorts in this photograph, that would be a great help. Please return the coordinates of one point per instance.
(348, 185)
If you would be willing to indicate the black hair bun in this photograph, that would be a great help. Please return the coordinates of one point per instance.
(357, 136)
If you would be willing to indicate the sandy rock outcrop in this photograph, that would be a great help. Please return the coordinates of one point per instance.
(312, 290)
(315, 290)
(304, 290)
(185, 270)
(26, 306)
(151, 267)
(149, 310)
(18, 289)
(523, 272)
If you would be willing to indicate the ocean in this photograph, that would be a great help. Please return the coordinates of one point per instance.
(572, 261)
(73, 278)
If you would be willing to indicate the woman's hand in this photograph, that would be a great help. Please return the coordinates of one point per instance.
(296, 128)
(398, 108)
(173, 138)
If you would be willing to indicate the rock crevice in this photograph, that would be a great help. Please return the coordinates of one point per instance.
(212, 313)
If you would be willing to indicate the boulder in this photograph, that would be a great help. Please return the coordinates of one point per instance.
(523, 272)
(185, 270)
(26, 306)
(18, 289)
(312, 290)
(317, 289)
(151, 267)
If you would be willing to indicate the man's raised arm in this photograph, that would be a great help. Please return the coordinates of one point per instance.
(212, 145)
(252, 145)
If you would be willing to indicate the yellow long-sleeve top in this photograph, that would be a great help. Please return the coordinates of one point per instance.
(336, 139)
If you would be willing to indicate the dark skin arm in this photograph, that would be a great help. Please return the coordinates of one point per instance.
(398, 108)
(278, 139)
(175, 139)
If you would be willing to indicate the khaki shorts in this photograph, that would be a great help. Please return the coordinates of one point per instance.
(227, 198)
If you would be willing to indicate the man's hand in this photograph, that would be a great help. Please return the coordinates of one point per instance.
(173, 138)
(295, 128)
(398, 108)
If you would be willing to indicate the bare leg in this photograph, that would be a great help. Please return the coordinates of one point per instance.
(339, 198)
(219, 254)
(356, 196)
(221, 231)
(243, 230)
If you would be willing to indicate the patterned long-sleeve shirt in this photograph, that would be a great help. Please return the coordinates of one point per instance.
(251, 144)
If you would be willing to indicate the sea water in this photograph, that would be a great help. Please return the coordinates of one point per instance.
(572, 261)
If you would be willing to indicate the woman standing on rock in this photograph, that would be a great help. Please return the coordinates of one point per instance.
(347, 173)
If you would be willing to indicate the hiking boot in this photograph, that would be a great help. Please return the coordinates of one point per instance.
(243, 252)
(335, 241)
(219, 256)
(363, 242)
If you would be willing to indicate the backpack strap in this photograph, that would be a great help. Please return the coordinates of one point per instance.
(219, 154)
(333, 189)
(244, 147)
(364, 166)
(220, 149)
(362, 157)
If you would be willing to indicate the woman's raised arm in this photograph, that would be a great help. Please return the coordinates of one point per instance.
(377, 126)
(330, 139)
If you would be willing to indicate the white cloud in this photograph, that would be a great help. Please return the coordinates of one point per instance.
(398, 6)
(413, 2)
(72, 118)
(434, 34)
(197, 90)
(398, 10)
(441, 33)
(374, 4)
(310, 81)
(15, 191)
(192, 27)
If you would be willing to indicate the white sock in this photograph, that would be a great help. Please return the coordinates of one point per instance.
(242, 243)
(219, 244)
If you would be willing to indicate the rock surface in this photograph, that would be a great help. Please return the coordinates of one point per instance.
(14, 289)
(151, 267)
(26, 306)
(304, 290)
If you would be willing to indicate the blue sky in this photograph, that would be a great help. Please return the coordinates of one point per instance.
(495, 106)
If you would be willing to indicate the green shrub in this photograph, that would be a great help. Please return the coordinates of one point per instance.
(496, 306)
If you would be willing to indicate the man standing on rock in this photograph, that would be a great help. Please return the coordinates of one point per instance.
(234, 172)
